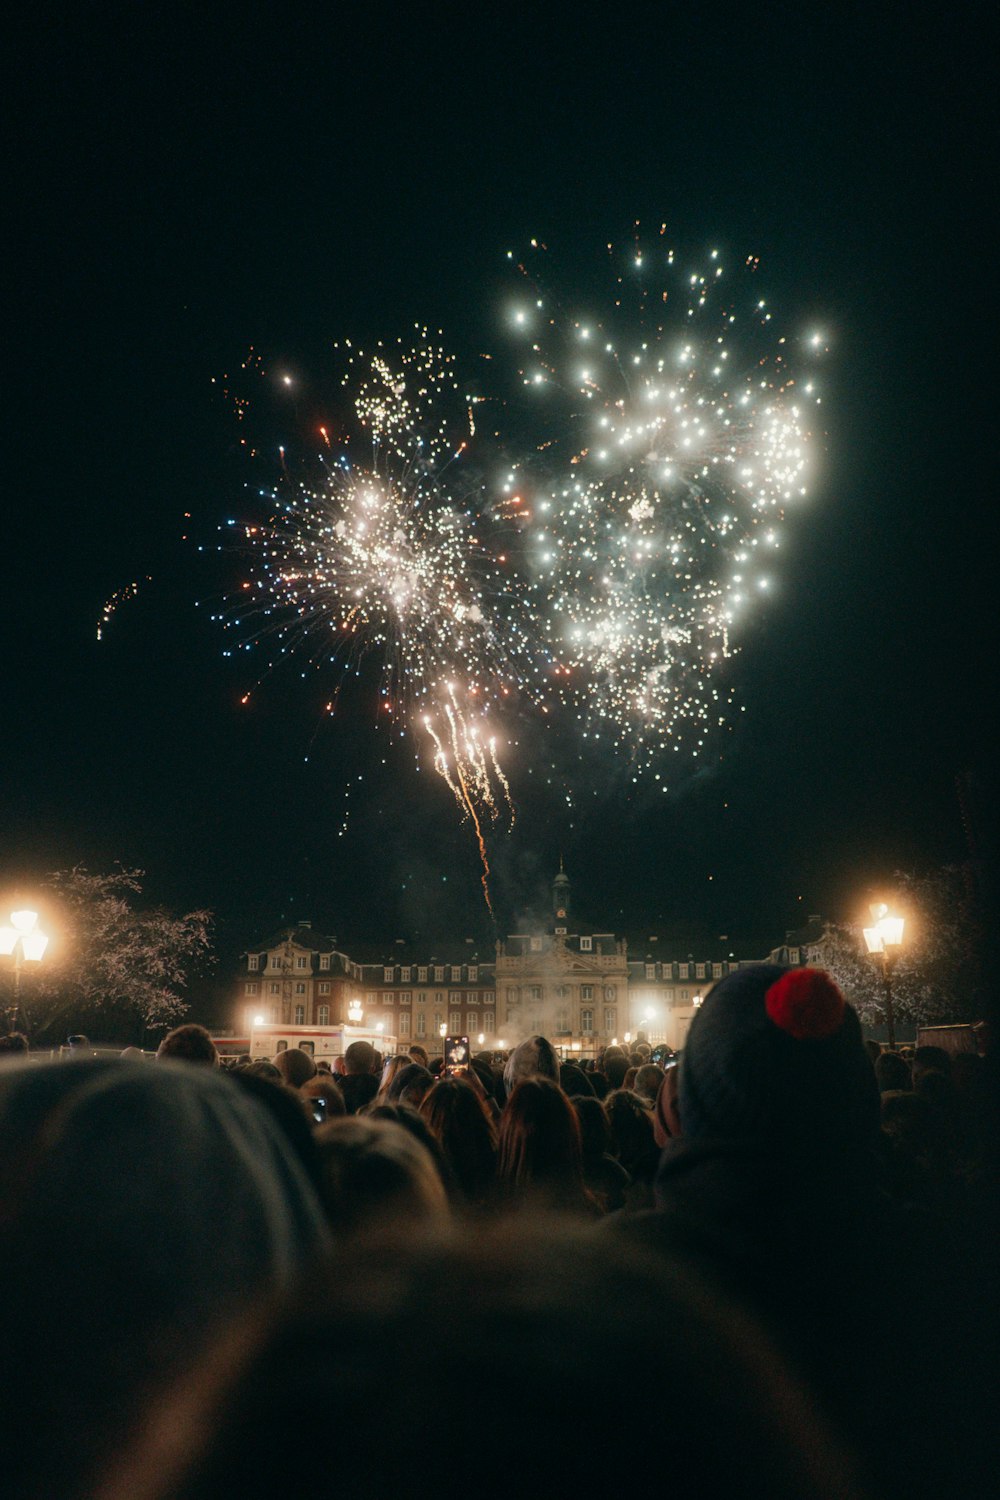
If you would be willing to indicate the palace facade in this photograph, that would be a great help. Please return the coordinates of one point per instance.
(582, 988)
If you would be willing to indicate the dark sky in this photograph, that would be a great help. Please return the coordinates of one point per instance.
(183, 188)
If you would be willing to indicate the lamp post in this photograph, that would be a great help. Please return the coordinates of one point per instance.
(883, 941)
(22, 939)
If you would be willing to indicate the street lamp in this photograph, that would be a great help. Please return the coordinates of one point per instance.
(883, 941)
(22, 938)
(354, 1012)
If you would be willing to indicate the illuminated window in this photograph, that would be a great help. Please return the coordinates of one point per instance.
(421, 1023)
(324, 960)
(586, 1021)
(439, 974)
(716, 971)
(404, 1023)
(473, 973)
(404, 976)
(252, 986)
(586, 992)
(323, 1015)
(404, 997)
(536, 945)
(252, 961)
(300, 1015)
(274, 989)
(455, 996)
(301, 962)
(300, 988)
(586, 945)
(471, 1022)
(387, 976)
(685, 971)
(456, 973)
(454, 1022)
(324, 986)
(489, 1021)
(610, 1018)
(650, 971)
(422, 975)
(699, 971)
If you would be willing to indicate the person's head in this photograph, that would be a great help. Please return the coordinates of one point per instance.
(615, 1065)
(376, 1176)
(891, 1072)
(419, 1054)
(322, 1086)
(409, 1085)
(168, 1180)
(573, 1081)
(595, 1132)
(930, 1060)
(390, 1068)
(775, 1057)
(533, 1058)
(189, 1043)
(458, 1119)
(482, 1320)
(631, 1120)
(666, 1109)
(539, 1144)
(13, 1044)
(295, 1066)
(647, 1081)
(360, 1057)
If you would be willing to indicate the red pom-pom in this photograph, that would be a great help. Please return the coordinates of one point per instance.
(806, 1003)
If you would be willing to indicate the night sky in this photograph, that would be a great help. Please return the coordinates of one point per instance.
(185, 187)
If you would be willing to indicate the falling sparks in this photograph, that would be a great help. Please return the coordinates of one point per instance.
(675, 440)
(128, 592)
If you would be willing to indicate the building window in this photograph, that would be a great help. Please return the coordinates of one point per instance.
(610, 1018)
(685, 995)
(473, 973)
(699, 971)
(300, 1015)
(454, 1022)
(489, 1022)
(511, 995)
(489, 996)
(386, 997)
(716, 971)
(421, 997)
(610, 993)
(794, 956)
(300, 988)
(586, 1021)
(439, 974)
(562, 1020)
(301, 962)
(324, 960)
(471, 1022)
(439, 997)
(275, 962)
(586, 992)
(251, 986)
(650, 971)
(456, 974)
(404, 1023)
(387, 976)
(323, 1015)
(421, 1023)
(422, 975)
(685, 971)
(405, 997)
(324, 986)
(437, 1022)
(369, 998)
(586, 945)
(455, 997)
(536, 945)
(404, 976)
(252, 961)
(534, 992)
(668, 996)
(472, 998)
(274, 989)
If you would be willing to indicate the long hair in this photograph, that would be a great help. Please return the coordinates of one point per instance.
(539, 1147)
(457, 1117)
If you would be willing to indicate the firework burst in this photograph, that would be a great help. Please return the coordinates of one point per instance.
(674, 438)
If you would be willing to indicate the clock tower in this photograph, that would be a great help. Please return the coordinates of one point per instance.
(560, 898)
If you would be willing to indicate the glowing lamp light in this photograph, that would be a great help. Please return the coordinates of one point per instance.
(354, 1012)
(442, 1029)
(886, 931)
(481, 1038)
(34, 945)
(380, 1026)
(24, 921)
(8, 937)
(258, 1020)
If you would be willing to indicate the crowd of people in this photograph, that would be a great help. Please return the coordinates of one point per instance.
(766, 1265)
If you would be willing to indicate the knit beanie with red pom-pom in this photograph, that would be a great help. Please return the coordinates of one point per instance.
(777, 1055)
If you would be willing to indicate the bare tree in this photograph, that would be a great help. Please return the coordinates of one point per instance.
(115, 964)
(938, 973)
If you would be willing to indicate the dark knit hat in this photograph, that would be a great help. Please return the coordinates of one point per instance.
(777, 1055)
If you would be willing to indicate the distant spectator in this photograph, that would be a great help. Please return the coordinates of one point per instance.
(295, 1066)
(190, 1043)
(604, 1175)
(359, 1083)
(614, 1067)
(13, 1043)
(409, 1085)
(459, 1119)
(391, 1067)
(574, 1082)
(892, 1072)
(419, 1054)
(930, 1060)
(631, 1120)
(647, 1081)
(534, 1058)
(322, 1086)
(375, 1174)
(133, 1054)
(540, 1161)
